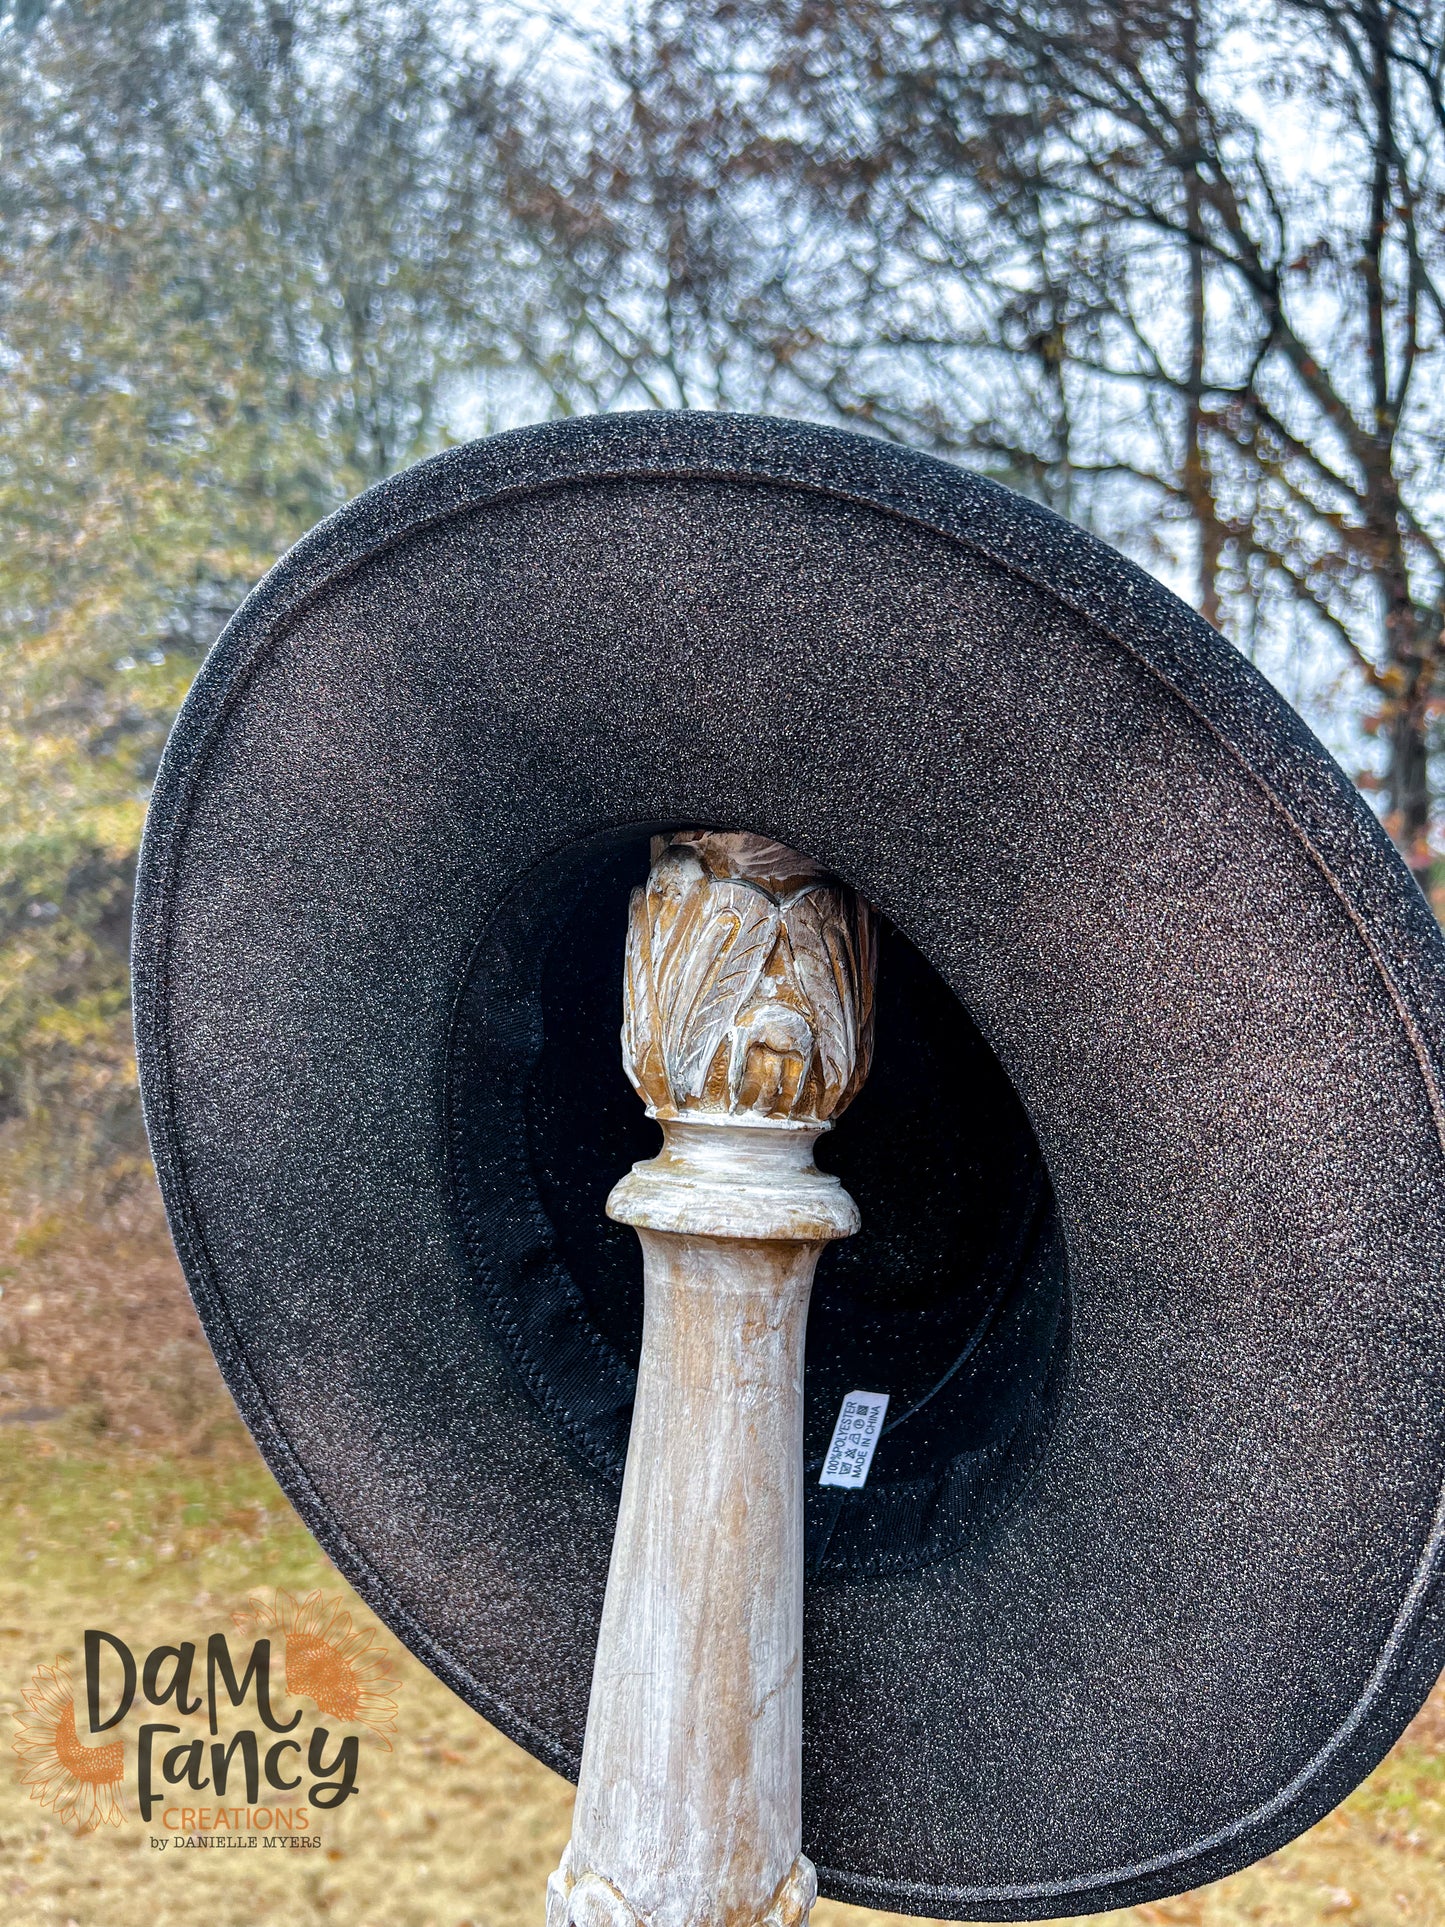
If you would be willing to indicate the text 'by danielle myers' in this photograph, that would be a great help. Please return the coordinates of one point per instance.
(241, 1816)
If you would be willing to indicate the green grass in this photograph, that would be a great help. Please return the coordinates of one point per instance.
(133, 1529)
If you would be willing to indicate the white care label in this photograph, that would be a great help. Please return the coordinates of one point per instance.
(854, 1437)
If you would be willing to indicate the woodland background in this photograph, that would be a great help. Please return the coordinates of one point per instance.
(1174, 267)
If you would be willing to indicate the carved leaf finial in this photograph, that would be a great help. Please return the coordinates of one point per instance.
(749, 982)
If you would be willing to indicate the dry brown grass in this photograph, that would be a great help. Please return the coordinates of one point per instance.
(97, 1328)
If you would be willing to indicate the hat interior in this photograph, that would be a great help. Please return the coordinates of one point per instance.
(952, 1298)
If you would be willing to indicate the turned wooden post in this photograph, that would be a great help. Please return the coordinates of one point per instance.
(748, 1027)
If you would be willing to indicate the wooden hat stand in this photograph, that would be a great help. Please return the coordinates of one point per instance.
(748, 1028)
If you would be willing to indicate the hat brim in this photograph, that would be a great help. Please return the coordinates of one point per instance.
(1209, 1607)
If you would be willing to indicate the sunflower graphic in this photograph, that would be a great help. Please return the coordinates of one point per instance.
(339, 1668)
(82, 1783)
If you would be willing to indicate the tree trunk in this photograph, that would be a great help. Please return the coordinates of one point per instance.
(1196, 478)
(1412, 665)
(1410, 662)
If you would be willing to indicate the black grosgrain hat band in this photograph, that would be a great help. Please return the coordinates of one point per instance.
(1143, 1578)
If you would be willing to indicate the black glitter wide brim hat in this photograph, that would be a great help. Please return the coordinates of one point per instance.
(1143, 1579)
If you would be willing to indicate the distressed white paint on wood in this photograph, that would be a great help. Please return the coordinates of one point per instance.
(749, 1021)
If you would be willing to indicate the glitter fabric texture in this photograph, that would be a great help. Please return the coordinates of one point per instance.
(1190, 1600)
